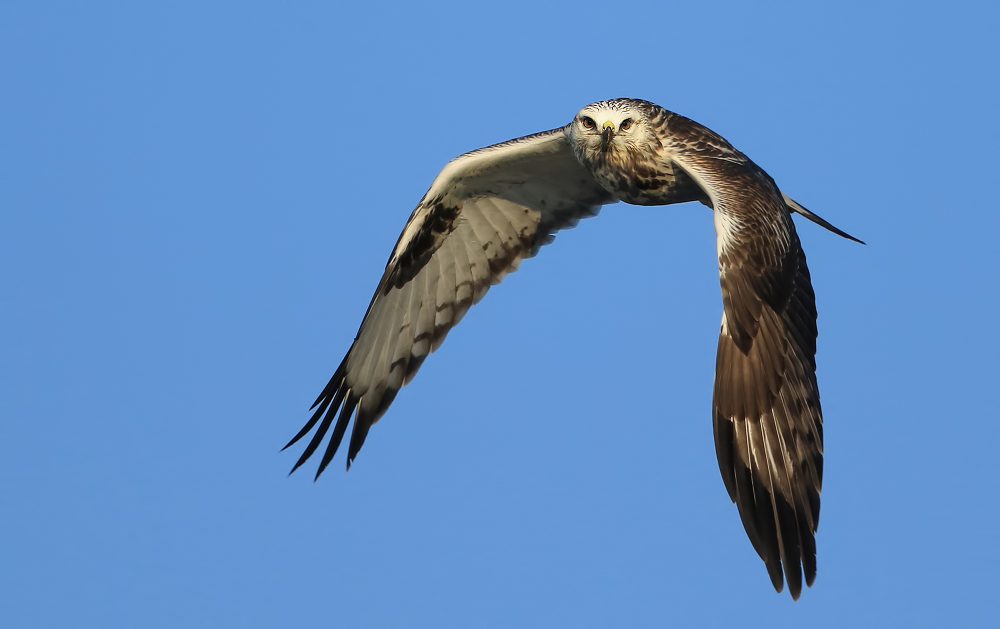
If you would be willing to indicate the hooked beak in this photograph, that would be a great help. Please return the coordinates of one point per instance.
(607, 132)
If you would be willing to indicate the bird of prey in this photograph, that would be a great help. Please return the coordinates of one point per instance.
(489, 209)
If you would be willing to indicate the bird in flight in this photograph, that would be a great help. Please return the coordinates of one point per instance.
(491, 208)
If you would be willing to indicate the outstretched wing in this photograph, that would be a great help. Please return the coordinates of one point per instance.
(484, 213)
(767, 418)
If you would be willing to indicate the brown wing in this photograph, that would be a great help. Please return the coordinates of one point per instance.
(767, 418)
(485, 212)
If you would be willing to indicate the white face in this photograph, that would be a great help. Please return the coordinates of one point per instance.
(605, 126)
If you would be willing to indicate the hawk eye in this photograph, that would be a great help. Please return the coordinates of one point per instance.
(625, 125)
(588, 122)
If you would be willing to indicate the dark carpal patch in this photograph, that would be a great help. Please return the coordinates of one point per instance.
(438, 224)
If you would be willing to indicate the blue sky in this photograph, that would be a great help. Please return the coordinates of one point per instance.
(196, 205)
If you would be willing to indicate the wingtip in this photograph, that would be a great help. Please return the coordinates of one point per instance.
(795, 587)
(297, 465)
(774, 572)
(321, 469)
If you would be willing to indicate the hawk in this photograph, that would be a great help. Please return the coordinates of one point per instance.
(489, 209)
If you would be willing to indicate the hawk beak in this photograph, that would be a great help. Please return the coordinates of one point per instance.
(608, 132)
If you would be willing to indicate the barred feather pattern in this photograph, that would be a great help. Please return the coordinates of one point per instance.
(767, 420)
(486, 212)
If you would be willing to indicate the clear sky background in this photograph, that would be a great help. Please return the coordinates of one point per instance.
(197, 201)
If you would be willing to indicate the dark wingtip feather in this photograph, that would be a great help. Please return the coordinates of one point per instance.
(774, 572)
(789, 544)
(795, 586)
(309, 425)
(332, 391)
(808, 554)
(338, 434)
(298, 464)
(361, 425)
(330, 411)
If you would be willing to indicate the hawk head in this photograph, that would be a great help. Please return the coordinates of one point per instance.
(611, 129)
(616, 141)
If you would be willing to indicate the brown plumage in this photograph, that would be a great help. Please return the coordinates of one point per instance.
(489, 209)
